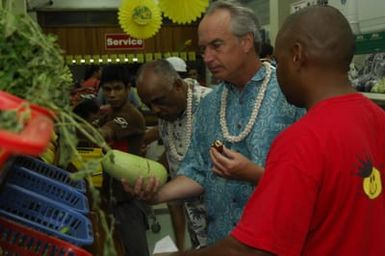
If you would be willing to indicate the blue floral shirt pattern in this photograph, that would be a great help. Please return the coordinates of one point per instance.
(194, 208)
(179, 126)
(224, 198)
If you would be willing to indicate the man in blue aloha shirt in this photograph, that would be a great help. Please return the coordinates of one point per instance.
(246, 112)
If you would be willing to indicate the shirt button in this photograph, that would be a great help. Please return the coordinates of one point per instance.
(234, 200)
(240, 102)
(239, 126)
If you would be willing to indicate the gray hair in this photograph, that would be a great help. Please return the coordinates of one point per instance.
(162, 68)
(243, 19)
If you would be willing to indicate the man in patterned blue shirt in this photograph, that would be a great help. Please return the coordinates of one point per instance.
(246, 112)
(175, 101)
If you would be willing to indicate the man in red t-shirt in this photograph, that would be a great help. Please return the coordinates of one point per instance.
(322, 191)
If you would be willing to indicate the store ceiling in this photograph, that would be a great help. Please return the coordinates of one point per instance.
(261, 7)
(76, 4)
(72, 4)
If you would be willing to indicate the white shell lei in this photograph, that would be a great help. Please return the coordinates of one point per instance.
(187, 135)
(254, 114)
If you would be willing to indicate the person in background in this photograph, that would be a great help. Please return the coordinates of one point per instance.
(152, 133)
(179, 65)
(133, 97)
(193, 73)
(246, 112)
(322, 191)
(92, 77)
(87, 109)
(266, 54)
(122, 125)
(78, 94)
(175, 102)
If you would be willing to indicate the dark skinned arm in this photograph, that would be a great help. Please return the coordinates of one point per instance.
(229, 246)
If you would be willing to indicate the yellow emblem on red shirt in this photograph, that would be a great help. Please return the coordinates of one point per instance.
(372, 182)
(372, 185)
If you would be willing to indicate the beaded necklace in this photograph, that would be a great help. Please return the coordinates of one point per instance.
(187, 135)
(254, 114)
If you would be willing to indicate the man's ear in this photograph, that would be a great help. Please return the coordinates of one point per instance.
(247, 42)
(297, 55)
(128, 87)
(178, 84)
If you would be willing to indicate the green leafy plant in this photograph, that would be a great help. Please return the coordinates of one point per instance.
(379, 87)
(32, 67)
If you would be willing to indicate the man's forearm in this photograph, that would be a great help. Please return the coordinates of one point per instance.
(253, 173)
(180, 187)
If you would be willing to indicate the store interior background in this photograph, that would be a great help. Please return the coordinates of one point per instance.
(78, 39)
(84, 37)
(80, 26)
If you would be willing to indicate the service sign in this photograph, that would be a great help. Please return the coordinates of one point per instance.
(122, 42)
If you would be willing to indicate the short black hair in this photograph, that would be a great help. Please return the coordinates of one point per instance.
(116, 73)
(266, 50)
(327, 34)
(91, 70)
(85, 108)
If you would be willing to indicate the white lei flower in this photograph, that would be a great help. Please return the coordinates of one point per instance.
(254, 114)
(187, 135)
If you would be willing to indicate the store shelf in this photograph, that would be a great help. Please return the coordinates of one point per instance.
(378, 98)
(4, 169)
(375, 96)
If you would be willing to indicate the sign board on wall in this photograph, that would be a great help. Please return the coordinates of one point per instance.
(296, 6)
(122, 42)
(370, 43)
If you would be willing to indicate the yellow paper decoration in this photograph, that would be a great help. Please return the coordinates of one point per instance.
(130, 58)
(122, 58)
(140, 57)
(148, 57)
(183, 55)
(69, 59)
(192, 56)
(157, 56)
(87, 59)
(183, 11)
(78, 58)
(139, 18)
